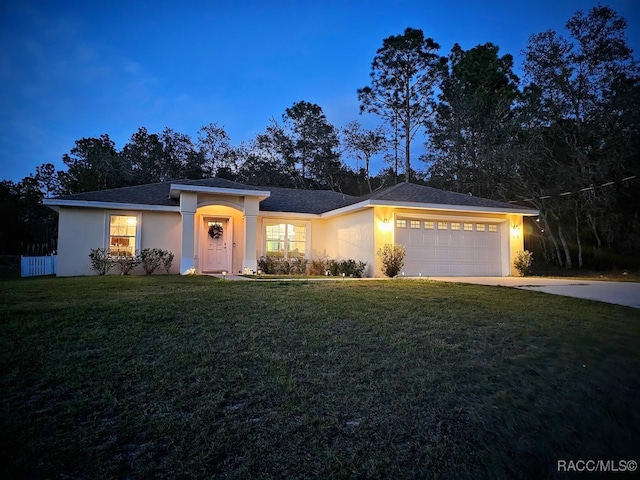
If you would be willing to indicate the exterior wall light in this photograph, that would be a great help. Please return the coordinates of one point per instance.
(385, 225)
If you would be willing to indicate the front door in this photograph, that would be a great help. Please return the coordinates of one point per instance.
(216, 233)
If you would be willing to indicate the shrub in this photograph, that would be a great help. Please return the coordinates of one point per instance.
(301, 266)
(267, 264)
(359, 269)
(101, 262)
(392, 257)
(298, 265)
(282, 266)
(151, 258)
(126, 263)
(523, 261)
(334, 267)
(348, 267)
(318, 267)
(166, 259)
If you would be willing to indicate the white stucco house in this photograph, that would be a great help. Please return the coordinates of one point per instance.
(445, 233)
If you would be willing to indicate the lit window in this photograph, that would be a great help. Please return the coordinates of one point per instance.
(468, 227)
(428, 225)
(493, 228)
(286, 240)
(480, 227)
(415, 224)
(122, 235)
(401, 224)
(455, 226)
(442, 225)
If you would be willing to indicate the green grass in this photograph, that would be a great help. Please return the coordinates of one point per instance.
(192, 377)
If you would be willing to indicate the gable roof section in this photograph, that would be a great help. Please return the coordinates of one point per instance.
(150, 195)
(305, 201)
(412, 193)
(158, 196)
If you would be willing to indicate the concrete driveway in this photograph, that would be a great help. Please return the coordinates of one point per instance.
(620, 293)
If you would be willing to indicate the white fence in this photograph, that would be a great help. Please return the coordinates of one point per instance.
(35, 266)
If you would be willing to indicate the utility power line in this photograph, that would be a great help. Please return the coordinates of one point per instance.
(586, 189)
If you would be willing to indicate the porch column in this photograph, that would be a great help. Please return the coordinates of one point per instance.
(188, 206)
(251, 209)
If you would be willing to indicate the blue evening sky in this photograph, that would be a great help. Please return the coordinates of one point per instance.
(73, 69)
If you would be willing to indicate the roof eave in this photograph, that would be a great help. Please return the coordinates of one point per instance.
(454, 208)
(429, 206)
(297, 215)
(354, 207)
(55, 204)
(176, 188)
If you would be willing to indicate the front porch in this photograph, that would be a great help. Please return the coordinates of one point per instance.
(232, 246)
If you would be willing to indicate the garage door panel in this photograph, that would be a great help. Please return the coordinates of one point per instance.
(469, 270)
(456, 270)
(443, 270)
(444, 252)
(443, 240)
(481, 240)
(482, 255)
(470, 256)
(457, 255)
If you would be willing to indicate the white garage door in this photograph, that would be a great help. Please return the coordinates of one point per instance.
(449, 248)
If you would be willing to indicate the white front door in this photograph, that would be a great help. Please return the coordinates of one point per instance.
(216, 236)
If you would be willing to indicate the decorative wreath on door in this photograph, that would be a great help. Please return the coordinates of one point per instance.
(215, 231)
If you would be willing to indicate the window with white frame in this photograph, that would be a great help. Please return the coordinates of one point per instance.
(428, 225)
(455, 226)
(480, 227)
(286, 240)
(493, 228)
(414, 224)
(401, 224)
(442, 225)
(123, 230)
(468, 227)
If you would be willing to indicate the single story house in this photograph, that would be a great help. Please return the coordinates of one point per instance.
(444, 233)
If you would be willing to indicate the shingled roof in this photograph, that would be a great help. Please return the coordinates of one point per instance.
(150, 194)
(305, 201)
(412, 193)
(285, 199)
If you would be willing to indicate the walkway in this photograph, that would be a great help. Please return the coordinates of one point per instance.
(620, 293)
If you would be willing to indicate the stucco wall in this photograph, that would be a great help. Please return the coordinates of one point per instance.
(79, 231)
(516, 240)
(161, 230)
(351, 236)
(83, 229)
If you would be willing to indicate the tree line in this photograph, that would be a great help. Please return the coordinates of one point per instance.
(564, 139)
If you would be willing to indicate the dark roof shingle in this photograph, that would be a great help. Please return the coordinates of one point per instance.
(410, 192)
(287, 199)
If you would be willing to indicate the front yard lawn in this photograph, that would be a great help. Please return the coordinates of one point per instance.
(193, 377)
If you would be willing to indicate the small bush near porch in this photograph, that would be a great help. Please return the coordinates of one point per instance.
(191, 377)
(277, 265)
